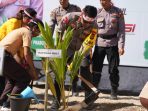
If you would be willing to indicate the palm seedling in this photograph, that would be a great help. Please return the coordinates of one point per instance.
(57, 65)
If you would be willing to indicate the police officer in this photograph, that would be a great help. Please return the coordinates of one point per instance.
(83, 24)
(55, 17)
(57, 14)
(110, 43)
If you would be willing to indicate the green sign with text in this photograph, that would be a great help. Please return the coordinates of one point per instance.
(37, 43)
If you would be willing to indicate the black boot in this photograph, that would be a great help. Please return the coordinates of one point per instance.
(56, 102)
(74, 87)
(114, 93)
(75, 92)
(96, 79)
(55, 105)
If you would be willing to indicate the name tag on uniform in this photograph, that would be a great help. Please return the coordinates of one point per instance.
(2, 54)
(100, 22)
(100, 19)
(23, 2)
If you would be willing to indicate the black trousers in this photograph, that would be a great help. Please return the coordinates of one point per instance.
(113, 63)
(2, 84)
(17, 78)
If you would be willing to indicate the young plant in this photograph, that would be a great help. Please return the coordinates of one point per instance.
(57, 65)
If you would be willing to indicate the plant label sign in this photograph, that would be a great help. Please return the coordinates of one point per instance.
(2, 51)
(51, 53)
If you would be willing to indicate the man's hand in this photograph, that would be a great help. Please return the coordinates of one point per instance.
(121, 51)
(29, 59)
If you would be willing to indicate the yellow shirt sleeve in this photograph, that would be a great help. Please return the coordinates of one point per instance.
(8, 26)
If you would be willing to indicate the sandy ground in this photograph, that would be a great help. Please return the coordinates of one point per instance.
(103, 103)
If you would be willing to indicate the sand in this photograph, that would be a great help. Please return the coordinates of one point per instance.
(103, 103)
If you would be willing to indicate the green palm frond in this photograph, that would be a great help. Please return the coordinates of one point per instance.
(57, 65)
(68, 37)
(87, 44)
(75, 64)
(47, 35)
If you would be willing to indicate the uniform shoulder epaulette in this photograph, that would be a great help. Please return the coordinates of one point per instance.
(76, 7)
(55, 10)
(117, 9)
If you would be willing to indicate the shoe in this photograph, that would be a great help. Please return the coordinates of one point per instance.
(113, 94)
(5, 109)
(113, 97)
(74, 89)
(55, 105)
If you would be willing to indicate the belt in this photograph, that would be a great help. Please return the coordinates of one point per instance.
(108, 36)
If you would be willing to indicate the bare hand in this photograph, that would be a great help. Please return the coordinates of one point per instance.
(121, 51)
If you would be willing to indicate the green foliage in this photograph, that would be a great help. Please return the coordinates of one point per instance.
(47, 36)
(57, 65)
(76, 64)
(146, 50)
(79, 55)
